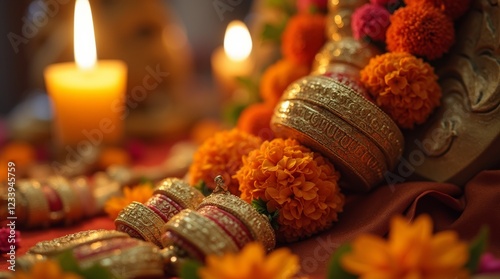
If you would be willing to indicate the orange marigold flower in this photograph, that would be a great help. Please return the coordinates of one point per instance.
(453, 8)
(204, 129)
(48, 269)
(420, 30)
(411, 251)
(20, 153)
(405, 87)
(299, 183)
(221, 155)
(251, 263)
(140, 193)
(256, 120)
(278, 77)
(303, 37)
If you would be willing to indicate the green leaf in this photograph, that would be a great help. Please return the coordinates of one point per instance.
(477, 248)
(335, 269)
(68, 263)
(272, 32)
(249, 84)
(189, 270)
(232, 113)
(203, 188)
(261, 207)
(97, 271)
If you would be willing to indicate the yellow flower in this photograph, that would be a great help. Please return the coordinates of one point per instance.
(251, 263)
(140, 193)
(411, 252)
(46, 270)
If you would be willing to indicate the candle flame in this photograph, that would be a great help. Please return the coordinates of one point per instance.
(84, 39)
(237, 41)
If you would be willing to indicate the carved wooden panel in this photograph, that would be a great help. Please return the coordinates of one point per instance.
(462, 137)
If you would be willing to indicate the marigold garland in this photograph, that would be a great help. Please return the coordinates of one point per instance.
(299, 183)
(404, 86)
(370, 20)
(256, 120)
(453, 8)
(252, 262)
(420, 30)
(278, 77)
(412, 251)
(303, 37)
(222, 155)
(140, 193)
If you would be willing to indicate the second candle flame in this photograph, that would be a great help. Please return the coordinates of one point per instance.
(237, 41)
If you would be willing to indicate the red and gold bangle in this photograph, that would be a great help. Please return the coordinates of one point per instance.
(233, 227)
(140, 219)
(258, 224)
(180, 192)
(163, 206)
(72, 206)
(127, 258)
(70, 241)
(199, 232)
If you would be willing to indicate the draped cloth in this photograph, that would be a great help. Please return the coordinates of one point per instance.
(451, 207)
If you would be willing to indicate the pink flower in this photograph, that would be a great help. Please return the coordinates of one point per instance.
(489, 264)
(4, 240)
(370, 20)
(304, 6)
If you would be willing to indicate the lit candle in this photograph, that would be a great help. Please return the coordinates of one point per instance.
(233, 60)
(88, 96)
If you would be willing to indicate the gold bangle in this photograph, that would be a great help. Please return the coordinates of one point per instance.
(361, 163)
(38, 206)
(343, 51)
(354, 109)
(143, 220)
(233, 227)
(127, 258)
(199, 232)
(180, 192)
(72, 206)
(258, 224)
(64, 243)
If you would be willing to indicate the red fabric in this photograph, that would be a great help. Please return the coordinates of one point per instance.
(464, 210)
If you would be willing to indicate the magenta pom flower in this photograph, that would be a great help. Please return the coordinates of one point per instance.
(305, 6)
(6, 240)
(370, 20)
(489, 264)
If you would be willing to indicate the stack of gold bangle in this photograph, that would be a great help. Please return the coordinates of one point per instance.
(125, 257)
(146, 221)
(332, 118)
(222, 223)
(328, 111)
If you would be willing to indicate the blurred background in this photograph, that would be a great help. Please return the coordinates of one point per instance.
(179, 36)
